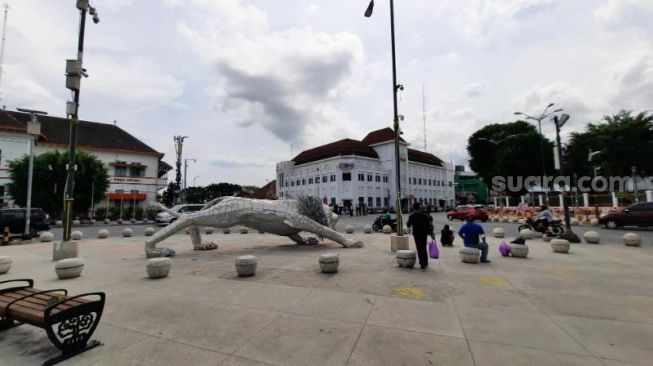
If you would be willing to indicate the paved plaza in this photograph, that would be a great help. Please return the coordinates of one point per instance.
(593, 306)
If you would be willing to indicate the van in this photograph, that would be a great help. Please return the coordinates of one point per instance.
(14, 219)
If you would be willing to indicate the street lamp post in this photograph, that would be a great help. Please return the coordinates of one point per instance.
(74, 72)
(185, 171)
(179, 145)
(568, 234)
(395, 89)
(539, 125)
(633, 169)
(33, 130)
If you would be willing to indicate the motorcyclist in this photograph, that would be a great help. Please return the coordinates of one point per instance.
(543, 218)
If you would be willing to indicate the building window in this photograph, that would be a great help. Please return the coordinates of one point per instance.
(450, 184)
(317, 180)
(385, 179)
(292, 183)
(333, 200)
(361, 200)
(310, 180)
(136, 171)
(419, 181)
(303, 182)
(120, 191)
(361, 177)
(346, 176)
(386, 201)
(134, 191)
(370, 202)
(324, 179)
(369, 177)
(121, 171)
(378, 201)
(378, 178)
(297, 183)
(333, 177)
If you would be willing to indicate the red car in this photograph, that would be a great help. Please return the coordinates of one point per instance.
(463, 212)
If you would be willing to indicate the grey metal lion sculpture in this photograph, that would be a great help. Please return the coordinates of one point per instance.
(286, 217)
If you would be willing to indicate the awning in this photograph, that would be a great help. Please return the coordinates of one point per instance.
(126, 196)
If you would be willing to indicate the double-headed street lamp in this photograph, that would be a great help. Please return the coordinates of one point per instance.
(74, 73)
(539, 119)
(395, 89)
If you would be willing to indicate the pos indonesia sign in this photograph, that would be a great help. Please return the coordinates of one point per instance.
(346, 166)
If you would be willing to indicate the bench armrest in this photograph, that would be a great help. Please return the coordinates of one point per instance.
(101, 296)
(30, 283)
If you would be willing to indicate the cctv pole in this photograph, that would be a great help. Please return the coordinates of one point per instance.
(73, 112)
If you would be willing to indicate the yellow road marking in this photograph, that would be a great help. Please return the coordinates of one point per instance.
(493, 281)
(410, 292)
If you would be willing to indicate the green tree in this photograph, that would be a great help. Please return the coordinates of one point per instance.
(168, 196)
(49, 180)
(508, 149)
(625, 140)
(222, 189)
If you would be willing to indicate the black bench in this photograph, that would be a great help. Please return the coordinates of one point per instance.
(68, 321)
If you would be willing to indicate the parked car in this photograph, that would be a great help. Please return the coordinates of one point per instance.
(164, 218)
(638, 214)
(379, 223)
(14, 219)
(463, 212)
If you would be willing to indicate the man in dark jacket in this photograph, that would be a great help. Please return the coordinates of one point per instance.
(420, 223)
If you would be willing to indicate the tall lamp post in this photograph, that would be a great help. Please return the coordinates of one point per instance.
(33, 130)
(179, 145)
(633, 169)
(74, 73)
(539, 125)
(395, 89)
(568, 234)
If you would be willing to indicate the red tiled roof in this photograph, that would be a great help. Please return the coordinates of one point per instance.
(378, 136)
(423, 157)
(268, 191)
(9, 123)
(342, 147)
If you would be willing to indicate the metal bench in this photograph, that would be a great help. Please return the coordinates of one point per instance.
(68, 321)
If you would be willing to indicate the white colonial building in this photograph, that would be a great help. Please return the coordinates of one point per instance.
(136, 171)
(351, 172)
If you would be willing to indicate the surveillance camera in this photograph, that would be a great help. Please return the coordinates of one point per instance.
(92, 10)
(96, 19)
(400, 87)
(401, 117)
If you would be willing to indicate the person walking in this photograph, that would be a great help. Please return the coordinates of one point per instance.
(472, 233)
(421, 226)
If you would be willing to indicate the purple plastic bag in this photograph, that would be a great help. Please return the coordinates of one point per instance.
(433, 250)
(504, 249)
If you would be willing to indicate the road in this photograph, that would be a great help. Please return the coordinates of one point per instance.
(439, 220)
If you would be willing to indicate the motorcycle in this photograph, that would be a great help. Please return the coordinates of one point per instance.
(380, 222)
(554, 227)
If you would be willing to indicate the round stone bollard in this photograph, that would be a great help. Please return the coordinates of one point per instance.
(632, 239)
(574, 221)
(547, 238)
(158, 267)
(406, 258)
(119, 221)
(527, 234)
(58, 222)
(349, 229)
(149, 231)
(5, 264)
(594, 221)
(76, 222)
(107, 221)
(127, 232)
(560, 245)
(522, 221)
(505, 219)
(76, 235)
(103, 234)
(69, 268)
(244, 230)
(515, 220)
(518, 250)
(367, 229)
(46, 237)
(329, 262)
(470, 255)
(208, 231)
(246, 265)
(498, 232)
(387, 229)
(226, 231)
(591, 237)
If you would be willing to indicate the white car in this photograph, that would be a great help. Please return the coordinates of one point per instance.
(164, 218)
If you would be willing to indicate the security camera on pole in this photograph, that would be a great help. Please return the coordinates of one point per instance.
(74, 73)
(568, 234)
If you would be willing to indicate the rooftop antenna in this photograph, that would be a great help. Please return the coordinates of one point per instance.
(2, 47)
(424, 113)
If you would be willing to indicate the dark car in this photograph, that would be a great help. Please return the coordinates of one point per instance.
(463, 212)
(379, 223)
(14, 219)
(638, 214)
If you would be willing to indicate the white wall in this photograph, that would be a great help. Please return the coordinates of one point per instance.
(14, 146)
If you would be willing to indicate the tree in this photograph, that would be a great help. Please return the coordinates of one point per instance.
(625, 140)
(508, 149)
(49, 180)
(168, 196)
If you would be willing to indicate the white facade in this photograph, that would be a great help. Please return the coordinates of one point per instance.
(354, 180)
(13, 145)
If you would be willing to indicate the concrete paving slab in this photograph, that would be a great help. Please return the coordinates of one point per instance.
(418, 316)
(222, 328)
(240, 361)
(615, 340)
(493, 297)
(268, 296)
(384, 346)
(336, 305)
(493, 354)
(517, 328)
(300, 340)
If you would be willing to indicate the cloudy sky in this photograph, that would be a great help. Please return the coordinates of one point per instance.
(249, 81)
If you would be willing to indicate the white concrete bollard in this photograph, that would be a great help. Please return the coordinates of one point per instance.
(127, 232)
(46, 237)
(591, 237)
(149, 231)
(103, 234)
(632, 239)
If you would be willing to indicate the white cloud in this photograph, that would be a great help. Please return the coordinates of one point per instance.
(475, 89)
(627, 13)
(633, 81)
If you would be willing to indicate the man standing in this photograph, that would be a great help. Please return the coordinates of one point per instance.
(421, 224)
(471, 233)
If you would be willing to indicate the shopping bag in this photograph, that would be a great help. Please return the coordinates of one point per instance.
(504, 249)
(433, 250)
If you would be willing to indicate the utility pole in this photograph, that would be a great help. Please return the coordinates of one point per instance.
(568, 234)
(2, 47)
(185, 170)
(179, 145)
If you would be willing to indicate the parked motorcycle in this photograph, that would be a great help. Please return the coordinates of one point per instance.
(554, 227)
